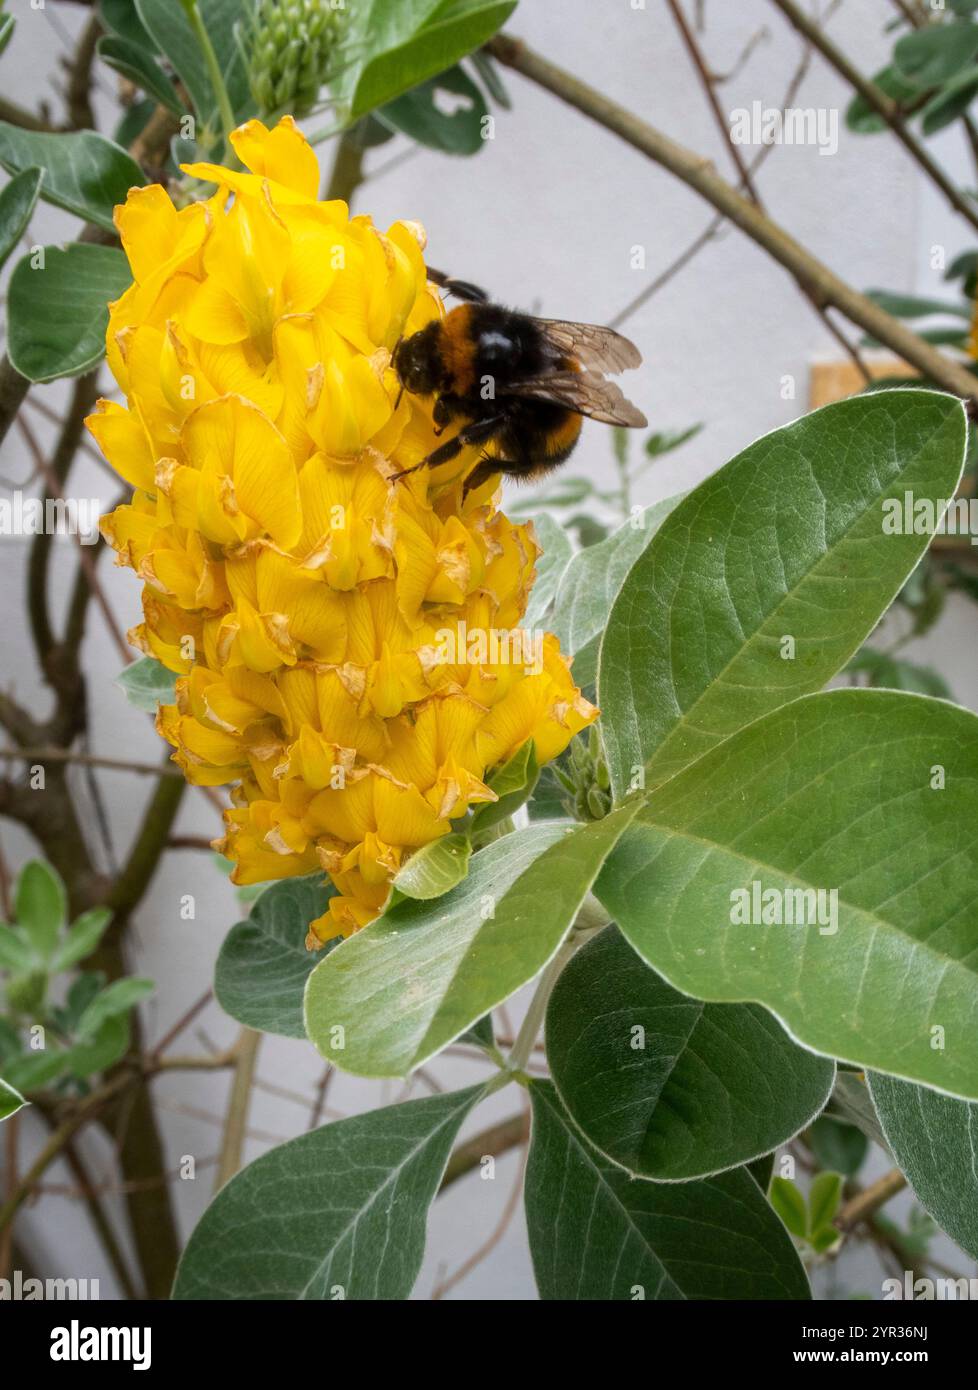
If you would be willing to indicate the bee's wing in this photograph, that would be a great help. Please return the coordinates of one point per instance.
(600, 349)
(586, 393)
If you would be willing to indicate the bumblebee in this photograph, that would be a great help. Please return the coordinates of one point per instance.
(516, 384)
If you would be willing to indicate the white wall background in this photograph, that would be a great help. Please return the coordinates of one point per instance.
(545, 216)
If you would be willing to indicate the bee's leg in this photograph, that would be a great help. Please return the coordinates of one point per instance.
(461, 289)
(478, 432)
(446, 408)
(481, 473)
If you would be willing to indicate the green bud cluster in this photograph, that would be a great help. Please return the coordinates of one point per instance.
(584, 776)
(293, 50)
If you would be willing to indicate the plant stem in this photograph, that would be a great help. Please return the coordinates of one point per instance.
(869, 1201)
(525, 1040)
(67, 755)
(192, 10)
(237, 1115)
(346, 174)
(698, 173)
(100, 1220)
(490, 1142)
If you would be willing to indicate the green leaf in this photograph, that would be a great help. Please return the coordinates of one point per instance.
(6, 30)
(950, 102)
(16, 205)
(58, 312)
(40, 906)
(513, 784)
(838, 1145)
(15, 951)
(84, 173)
(121, 18)
(823, 1240)
(915, 306)
(337, 1213)
(864, 119)
(105, 1045)
(399, 46)
(480, 1034)
(408, 984)
(10, 1100)
(891, 673)
(142, 69)
(147, 684)
(963, 267)
(824, 1197)
(788, 1202)
(32, 1071)
(117, 998)
(557, 552)
(82, 938)
(665, 441)
(169, 28)
(665, 1086)
(761, 1170)
(418, 115)
(597, 1234)
(591, 581)
(931, 55)
(81, 993)
(785, 541)
(832, 792)
(434, 869)
(851, 1103)
(934, 1139)
(264, 964)
(491, 80)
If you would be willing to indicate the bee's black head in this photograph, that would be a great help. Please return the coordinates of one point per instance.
(418, 362)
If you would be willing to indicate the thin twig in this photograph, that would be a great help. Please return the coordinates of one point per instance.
(85, 558)
(183, 1022)
(100, 1220)
(66, 755)
(869, 1201)
(743, 169)
(492, 1142)
(88, 1108)
(236, 1120)
(500, 1229)
(316, 1114)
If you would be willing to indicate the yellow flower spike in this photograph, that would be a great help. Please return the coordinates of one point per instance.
(123, 440)
(282, 154)
(318, 762)
(347, 645)
(248, 482)
(157, 239)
